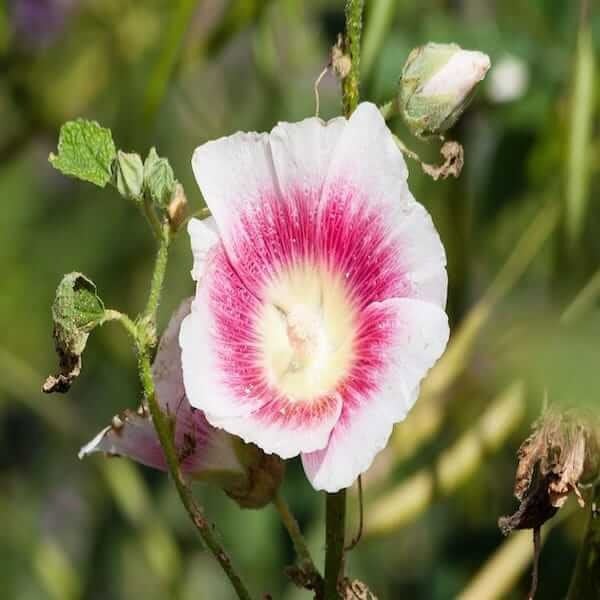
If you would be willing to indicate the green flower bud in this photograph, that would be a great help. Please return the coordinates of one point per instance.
(129, 174)
(438, 82)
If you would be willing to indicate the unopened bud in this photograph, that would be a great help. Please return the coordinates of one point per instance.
(177, 209)
(438, 82)
(129, 174)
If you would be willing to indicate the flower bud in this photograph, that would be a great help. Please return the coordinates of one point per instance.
(129, 173)
(438, 81)
(176, 211)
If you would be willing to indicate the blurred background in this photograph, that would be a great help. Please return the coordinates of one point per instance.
(522, 231)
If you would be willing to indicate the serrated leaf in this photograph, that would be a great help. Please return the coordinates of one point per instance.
(85, 151)
(159, 179)
(76, 310)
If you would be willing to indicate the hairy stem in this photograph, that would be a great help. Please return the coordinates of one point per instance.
(145, 335)
(158, 275)
(129, 326)
(150, 215)
(351, 83)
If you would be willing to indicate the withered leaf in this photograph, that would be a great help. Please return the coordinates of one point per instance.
(554, 460)
(356, 590)
(76, 311)
(454, 159)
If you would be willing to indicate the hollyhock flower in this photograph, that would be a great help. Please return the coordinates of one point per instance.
(321, 292)
(205, 453)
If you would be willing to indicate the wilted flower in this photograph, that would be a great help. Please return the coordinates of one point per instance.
(205, 453)
(321, 292)
(438, 81)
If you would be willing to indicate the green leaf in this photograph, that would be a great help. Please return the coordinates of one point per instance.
(129, 175)
(76, 311)
(85, 151)
(159, 179)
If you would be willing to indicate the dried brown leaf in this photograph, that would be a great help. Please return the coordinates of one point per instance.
(560, 454)
(454, 159)
(356, 590)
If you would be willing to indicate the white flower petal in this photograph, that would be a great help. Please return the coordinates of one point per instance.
(368, 174)
(203, 237)
(420, 334)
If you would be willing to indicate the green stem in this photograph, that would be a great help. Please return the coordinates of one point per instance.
(123, 319)
(293, 529)
(351, 83)
(335, 518)
(145, 336)
(158, 276)
(148, 211)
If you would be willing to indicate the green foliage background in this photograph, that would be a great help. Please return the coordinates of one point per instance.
(173, 74)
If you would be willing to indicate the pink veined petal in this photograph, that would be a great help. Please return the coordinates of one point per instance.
(400, 340)
(263, 191)
(134, 437)
(284, 427)
(235, 174)
(224, 375)
(219, 344)
(372, 228)
(166, 369)
(302, 153)
(132, 434)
